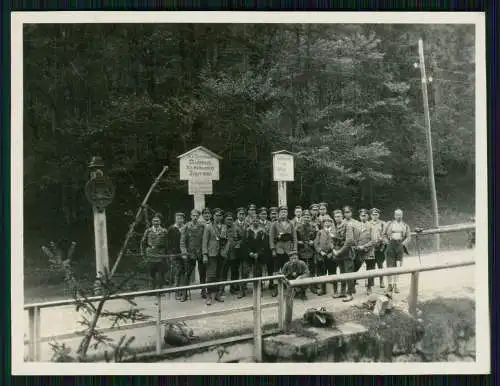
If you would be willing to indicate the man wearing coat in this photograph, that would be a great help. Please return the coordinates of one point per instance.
(325, 261)
(191, 248)
(255, 246)
(214, 237)
(379, 247)
(238, 253)
(364, 249)
(282, 241)
(266, 225)
(348, 219)
(306, 234)
(344, 254)
(153, 249)
(174, 248)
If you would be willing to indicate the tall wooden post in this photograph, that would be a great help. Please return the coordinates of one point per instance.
(430, 160)
(283, 171)
(100, 192)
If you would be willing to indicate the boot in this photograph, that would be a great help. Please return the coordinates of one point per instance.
(243, 292)
(219, 298)
(208, 300)
(389, 288)
(303, 295)
(347, 298)
(382, 285)
(369, 290)
(204, 293)
(274, 292)
(396, 289)
(314, 289)
(335, 288)
(183, 296)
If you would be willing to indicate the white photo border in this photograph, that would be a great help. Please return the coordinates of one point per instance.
(20, 367)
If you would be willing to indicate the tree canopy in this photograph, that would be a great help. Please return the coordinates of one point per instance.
(346, 98)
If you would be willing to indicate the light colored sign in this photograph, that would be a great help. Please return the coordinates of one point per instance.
(200, 165)
(198, 186)
(283, 167)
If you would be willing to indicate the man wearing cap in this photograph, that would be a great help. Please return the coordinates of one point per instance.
(378, 247)
(298, 215)
(348, 219)
(306, 234)
(314, 209)
(396, 236)
(296, 269)
(322, 213)
(282, 240)
(364, 249)
(214, 237)
(228, 260)
(251, 215)
(273, 214)
(153, 250)
(238, 253)
(192, 247)
(325, 261)
(255, 244)
(266, 225)
(206, 216)
(174, 248)
(343, 253)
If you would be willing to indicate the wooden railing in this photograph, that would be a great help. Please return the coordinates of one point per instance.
(285, 306)
(34, 338)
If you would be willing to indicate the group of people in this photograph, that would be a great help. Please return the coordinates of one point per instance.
(312, 243)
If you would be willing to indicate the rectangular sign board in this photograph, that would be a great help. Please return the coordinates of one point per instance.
(199, 187)
(283, 167)
(199, 165)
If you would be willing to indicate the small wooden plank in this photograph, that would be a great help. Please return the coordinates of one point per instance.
(281, 298)
(158, 324)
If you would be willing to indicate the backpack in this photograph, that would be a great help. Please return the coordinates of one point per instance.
(178, 334)
(319, 318)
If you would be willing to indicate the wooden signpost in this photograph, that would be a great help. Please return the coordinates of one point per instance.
(100, 192)
(283, 171)
(200, 167)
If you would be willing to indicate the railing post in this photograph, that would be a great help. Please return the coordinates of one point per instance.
(413, 296)
(281, 325)
(290, 292)
(34, 334)
(257, 321)
(158, 324)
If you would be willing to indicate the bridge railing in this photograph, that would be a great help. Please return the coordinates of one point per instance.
(284, 303)
(34, 311)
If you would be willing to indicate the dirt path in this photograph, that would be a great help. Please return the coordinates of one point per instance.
(457, 282)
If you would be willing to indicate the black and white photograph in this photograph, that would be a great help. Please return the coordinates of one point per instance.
(237, 192)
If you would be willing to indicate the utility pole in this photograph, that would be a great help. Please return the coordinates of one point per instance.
(430, 160)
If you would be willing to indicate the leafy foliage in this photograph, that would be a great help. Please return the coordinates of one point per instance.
(346, 98)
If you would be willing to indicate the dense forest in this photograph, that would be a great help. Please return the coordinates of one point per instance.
(345, 98)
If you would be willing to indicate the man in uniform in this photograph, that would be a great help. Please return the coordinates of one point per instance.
(306, 234)
(227, 250)
(191, 249)
(378, 246)
(238, 253)
(322, 213)
(266, 225)
(325, 261)
(273, 214)
(314, 209)
(214, 238)
(348, 219)
(251, 215)
(174, 248)
(364, 248)
(255, 245)
(298, 215)
(296, 269)
(344, 254)
(396, 236)
(282, 241)
(154, 249)
(207, 216)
